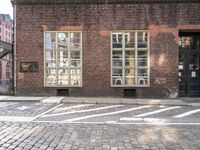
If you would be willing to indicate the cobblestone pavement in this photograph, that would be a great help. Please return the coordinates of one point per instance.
(38, 126)
(45, 136)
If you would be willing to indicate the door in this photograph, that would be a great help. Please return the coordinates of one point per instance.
(189, 61)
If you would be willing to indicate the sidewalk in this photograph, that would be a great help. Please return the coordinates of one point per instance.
(104, 100)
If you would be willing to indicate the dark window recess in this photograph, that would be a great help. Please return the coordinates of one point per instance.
(129, 92)
(62, 92)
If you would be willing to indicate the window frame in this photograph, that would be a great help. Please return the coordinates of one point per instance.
(136, 58)
(57, 50)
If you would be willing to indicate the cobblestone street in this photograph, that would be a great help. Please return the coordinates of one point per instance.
(37, 126)
(41, 136)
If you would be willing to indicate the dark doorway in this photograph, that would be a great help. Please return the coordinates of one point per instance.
(189, 61)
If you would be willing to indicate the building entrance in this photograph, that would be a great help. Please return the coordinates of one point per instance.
(189, 62)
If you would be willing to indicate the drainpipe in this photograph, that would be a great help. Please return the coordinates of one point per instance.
(14, 50)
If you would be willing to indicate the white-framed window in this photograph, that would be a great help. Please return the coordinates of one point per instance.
(130, 60)
(63, 59)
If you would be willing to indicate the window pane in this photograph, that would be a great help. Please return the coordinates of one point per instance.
(63, 77)
(75, 77)
(75, 40)
(129, 76)
(129, 39)
(117, 77)
(117, 40)
(75, 54)
(130, 72)
(50, 58)
(63, 60)
(142, 59)
(117, 63)
(142, 72)
(117, 58)
(129, 81)
(142, 81)
(63, 40)
(129, 54)
(142, 54)
(50, 76)
(75, 63)
(130, 58)
(142, 39)
(50, 40)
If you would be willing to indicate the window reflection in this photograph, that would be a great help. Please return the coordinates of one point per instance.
(63, 58)
(117, 40)
(63, 41)
(51, 76)
(142, 39)
(50, 40)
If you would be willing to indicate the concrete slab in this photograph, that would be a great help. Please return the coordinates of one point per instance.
(22, 99)
(136, 101)
(3, 97)
(55, 99)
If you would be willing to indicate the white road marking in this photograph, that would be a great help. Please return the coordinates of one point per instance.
(46, 112)
(187, 113)
(81, 111)
(122, 123)
(23, 108)
(15, 118)
(105, 114)
(157, 111)
(142, 119)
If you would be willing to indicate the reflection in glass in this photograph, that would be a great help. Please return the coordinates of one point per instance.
(117, 39)
(63, 40)
(50, 58)
(142, 62)
(117, 63)
(142, 54)
(142, 72)
(75, 75)
(129, 54)
(50, 76)
(75, 54)
(117, 55)
(50, 40)
(129, 81)
(130, 58)
(185, 42)
(75, 40)
(194, 62)
(63, 59)
(129, 39)
(142, 39)
(63, 77)
(130, 72)
(142, 81)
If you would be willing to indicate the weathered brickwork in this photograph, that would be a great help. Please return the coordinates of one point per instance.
(96, 23)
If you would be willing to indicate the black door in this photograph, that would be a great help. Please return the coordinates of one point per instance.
(189, 61)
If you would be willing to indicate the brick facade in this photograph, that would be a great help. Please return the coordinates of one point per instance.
(96, 21)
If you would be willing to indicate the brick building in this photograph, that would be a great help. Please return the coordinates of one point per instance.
(141, 48)
(6, 32)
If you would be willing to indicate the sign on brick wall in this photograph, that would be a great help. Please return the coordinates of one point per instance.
(28, 66)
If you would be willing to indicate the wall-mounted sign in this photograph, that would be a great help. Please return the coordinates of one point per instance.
(29, 67)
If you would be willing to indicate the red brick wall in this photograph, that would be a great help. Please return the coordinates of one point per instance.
(96, 22)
